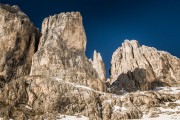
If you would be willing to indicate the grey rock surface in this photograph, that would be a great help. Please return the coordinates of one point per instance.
(62, 82)
(61, 52)
(34, 96)
(18, 38)
(99, 65)
(65, 26)
(135, 67)
(40, 97)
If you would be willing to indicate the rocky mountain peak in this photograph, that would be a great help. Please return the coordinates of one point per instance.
(136, 67)
(130, 44)
(66, 28)
(97, 55)
(14, 10)
(58, 82)
(99, 66)
(61, 52)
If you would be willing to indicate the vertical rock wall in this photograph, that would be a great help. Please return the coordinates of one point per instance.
(18, 37)
(61, 52)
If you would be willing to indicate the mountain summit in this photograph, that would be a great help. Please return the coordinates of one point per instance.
(48, 76)
(135, 67)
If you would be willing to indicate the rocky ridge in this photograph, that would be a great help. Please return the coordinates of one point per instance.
(135, 67)
(61, 83)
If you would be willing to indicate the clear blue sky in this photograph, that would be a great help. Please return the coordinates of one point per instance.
(108, 22)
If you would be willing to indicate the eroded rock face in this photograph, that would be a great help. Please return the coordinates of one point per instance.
(64, 82)
(65, 26)
(40, 97)
(135, 67)
(98, 65)
(62, 52)
(36, 96)
(18, 37)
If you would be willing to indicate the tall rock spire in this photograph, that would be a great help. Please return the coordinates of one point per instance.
(61, 52)
(67, 28)
(99, 66)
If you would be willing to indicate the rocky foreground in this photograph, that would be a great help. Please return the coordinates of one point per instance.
(46, 75)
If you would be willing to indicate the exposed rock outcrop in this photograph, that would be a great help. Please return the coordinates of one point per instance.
(62, 52)
(135, 67)
(43, 97)
(39, 97)
(98, 65)
(18, 37)
(63, 82)
(65, 27)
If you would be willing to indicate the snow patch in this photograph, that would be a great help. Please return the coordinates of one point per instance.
(123, 108)
(169, 90)
(3, 119)
(118, 108)
(68, 117)
(178, 101)
(164, 117)
(108, 101)
(163, 110)
(75, 85)
(28, 107)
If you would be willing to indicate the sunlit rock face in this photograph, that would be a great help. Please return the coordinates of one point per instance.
(39, 97)
(135, 67)
(64, 84)
(61, 51)
(98, 65)
(64, 27)
(18, 37)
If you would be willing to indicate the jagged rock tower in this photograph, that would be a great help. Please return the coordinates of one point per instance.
(59, 81)
(99, 66)
(62, 80)
(61, 51)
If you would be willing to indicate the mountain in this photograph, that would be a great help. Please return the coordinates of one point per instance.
(135, 67)
(48, 76)
(18, 38)
(61, 51)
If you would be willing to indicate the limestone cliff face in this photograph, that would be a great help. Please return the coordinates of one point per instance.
(18, 37)
(61, 51)
(65, 26)
(63, 81)
(135, 67)
(39, 97)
